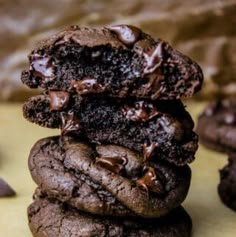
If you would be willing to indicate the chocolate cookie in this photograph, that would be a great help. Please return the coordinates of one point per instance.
(53, 219)
(117, 61)
(227, 186)
(216, 125)
(158, 129)
(107, 179)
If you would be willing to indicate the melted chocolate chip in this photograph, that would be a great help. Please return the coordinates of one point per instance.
(148, 150)
(114, 164)
(141, 111)
(5, 189)
(58, 99)
(87, 85)
(154, 58)
(154, 84)
(128, 35)
(70, 123)
(150, 182)
(42, 66)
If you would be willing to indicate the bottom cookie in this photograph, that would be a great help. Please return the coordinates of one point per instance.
(49, 218)
(227, 186)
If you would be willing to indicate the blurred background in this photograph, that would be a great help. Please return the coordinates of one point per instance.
(203, 29)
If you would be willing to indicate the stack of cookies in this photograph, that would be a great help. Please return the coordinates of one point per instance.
(119, 167)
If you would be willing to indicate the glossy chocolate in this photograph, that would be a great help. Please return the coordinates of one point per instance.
(140, 112)
(114, 164)
(58, 99)
(70, 123)
(128, 35)
(149, 149)
(150, 182)
(154, 58)
(42, 66)
(87, 85)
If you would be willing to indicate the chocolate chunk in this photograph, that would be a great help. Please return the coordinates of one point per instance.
(127, 34)
(58, 99)
(87, 85)
(5, 189)
(70, 123)
(114, 164)
(149, 149)
(141, 111)
(42, 66)
(154, 58)
(150, 182)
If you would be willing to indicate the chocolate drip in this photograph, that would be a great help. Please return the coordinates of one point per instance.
(128, 35)
(148, 150)
(114, 164)
(150, 182)
(141, 112)
(42, 66)
(70, 123)
(87, 85)
(58, 99)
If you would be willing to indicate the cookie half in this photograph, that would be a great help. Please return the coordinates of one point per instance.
(227, 186)
(216, 125)
(160, 129)
(53, 219)
(117, 61)
(107, 179)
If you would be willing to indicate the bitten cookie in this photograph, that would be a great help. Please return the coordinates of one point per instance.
(53, 219)
(227, 186)
(107, 179)
(216, 125)
(117, 61)
(160, 129)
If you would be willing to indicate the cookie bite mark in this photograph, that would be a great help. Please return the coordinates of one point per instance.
(127, 34)
(149, 149)
(114, 164)
(42, 66)
(87, 85)
(70, 123)
(58, 100)
(141, 111)
(150, 182)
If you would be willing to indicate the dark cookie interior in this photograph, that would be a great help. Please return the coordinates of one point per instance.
(216, 125)
(119, 64)
(49, 218)
(107, 179)
(227, 186)
(163, 129)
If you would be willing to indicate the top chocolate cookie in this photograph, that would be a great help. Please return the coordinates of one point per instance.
(117, 61)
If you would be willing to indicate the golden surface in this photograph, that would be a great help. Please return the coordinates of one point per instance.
(210, 217)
